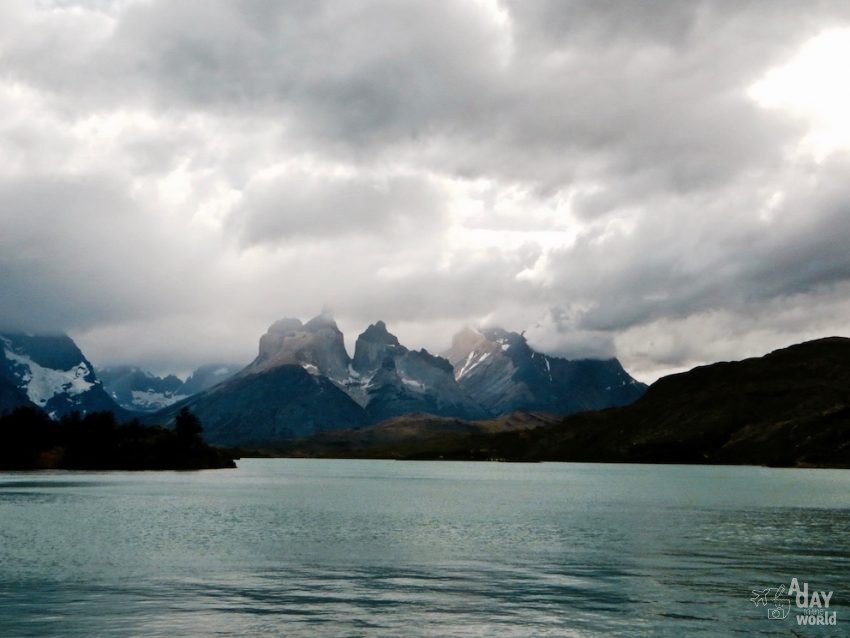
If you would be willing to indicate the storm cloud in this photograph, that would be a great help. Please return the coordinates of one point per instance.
(664, 182)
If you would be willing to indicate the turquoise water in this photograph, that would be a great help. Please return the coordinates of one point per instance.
(382, 548)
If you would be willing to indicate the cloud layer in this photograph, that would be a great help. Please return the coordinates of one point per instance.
(638, 179)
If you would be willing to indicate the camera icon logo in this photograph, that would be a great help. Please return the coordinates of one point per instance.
(775, 596)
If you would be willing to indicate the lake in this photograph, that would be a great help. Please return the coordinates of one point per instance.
(383, 548)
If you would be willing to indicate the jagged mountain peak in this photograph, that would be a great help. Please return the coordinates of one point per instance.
(378, 333)
(434, 360)
(374, 347)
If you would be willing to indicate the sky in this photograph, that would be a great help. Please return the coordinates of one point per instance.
(665, 182)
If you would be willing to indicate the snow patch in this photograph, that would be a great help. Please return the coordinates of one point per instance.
(472, 360)
(42, 384)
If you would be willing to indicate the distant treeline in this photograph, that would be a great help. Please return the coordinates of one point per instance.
(30, 439)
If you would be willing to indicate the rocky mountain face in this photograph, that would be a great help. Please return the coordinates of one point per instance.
(141, 391)
(317, 346)
(392, 380)
(303, 381)
(502, 373)
(50, 372)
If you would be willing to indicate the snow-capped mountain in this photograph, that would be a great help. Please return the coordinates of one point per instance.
(50, 371)
(141, 391)
(501, 372)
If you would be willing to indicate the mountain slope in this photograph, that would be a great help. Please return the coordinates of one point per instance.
(51, 372)
(266, 408)
(500, 371)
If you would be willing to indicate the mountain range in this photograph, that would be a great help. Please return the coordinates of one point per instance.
(490, 395)
(303, 381)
